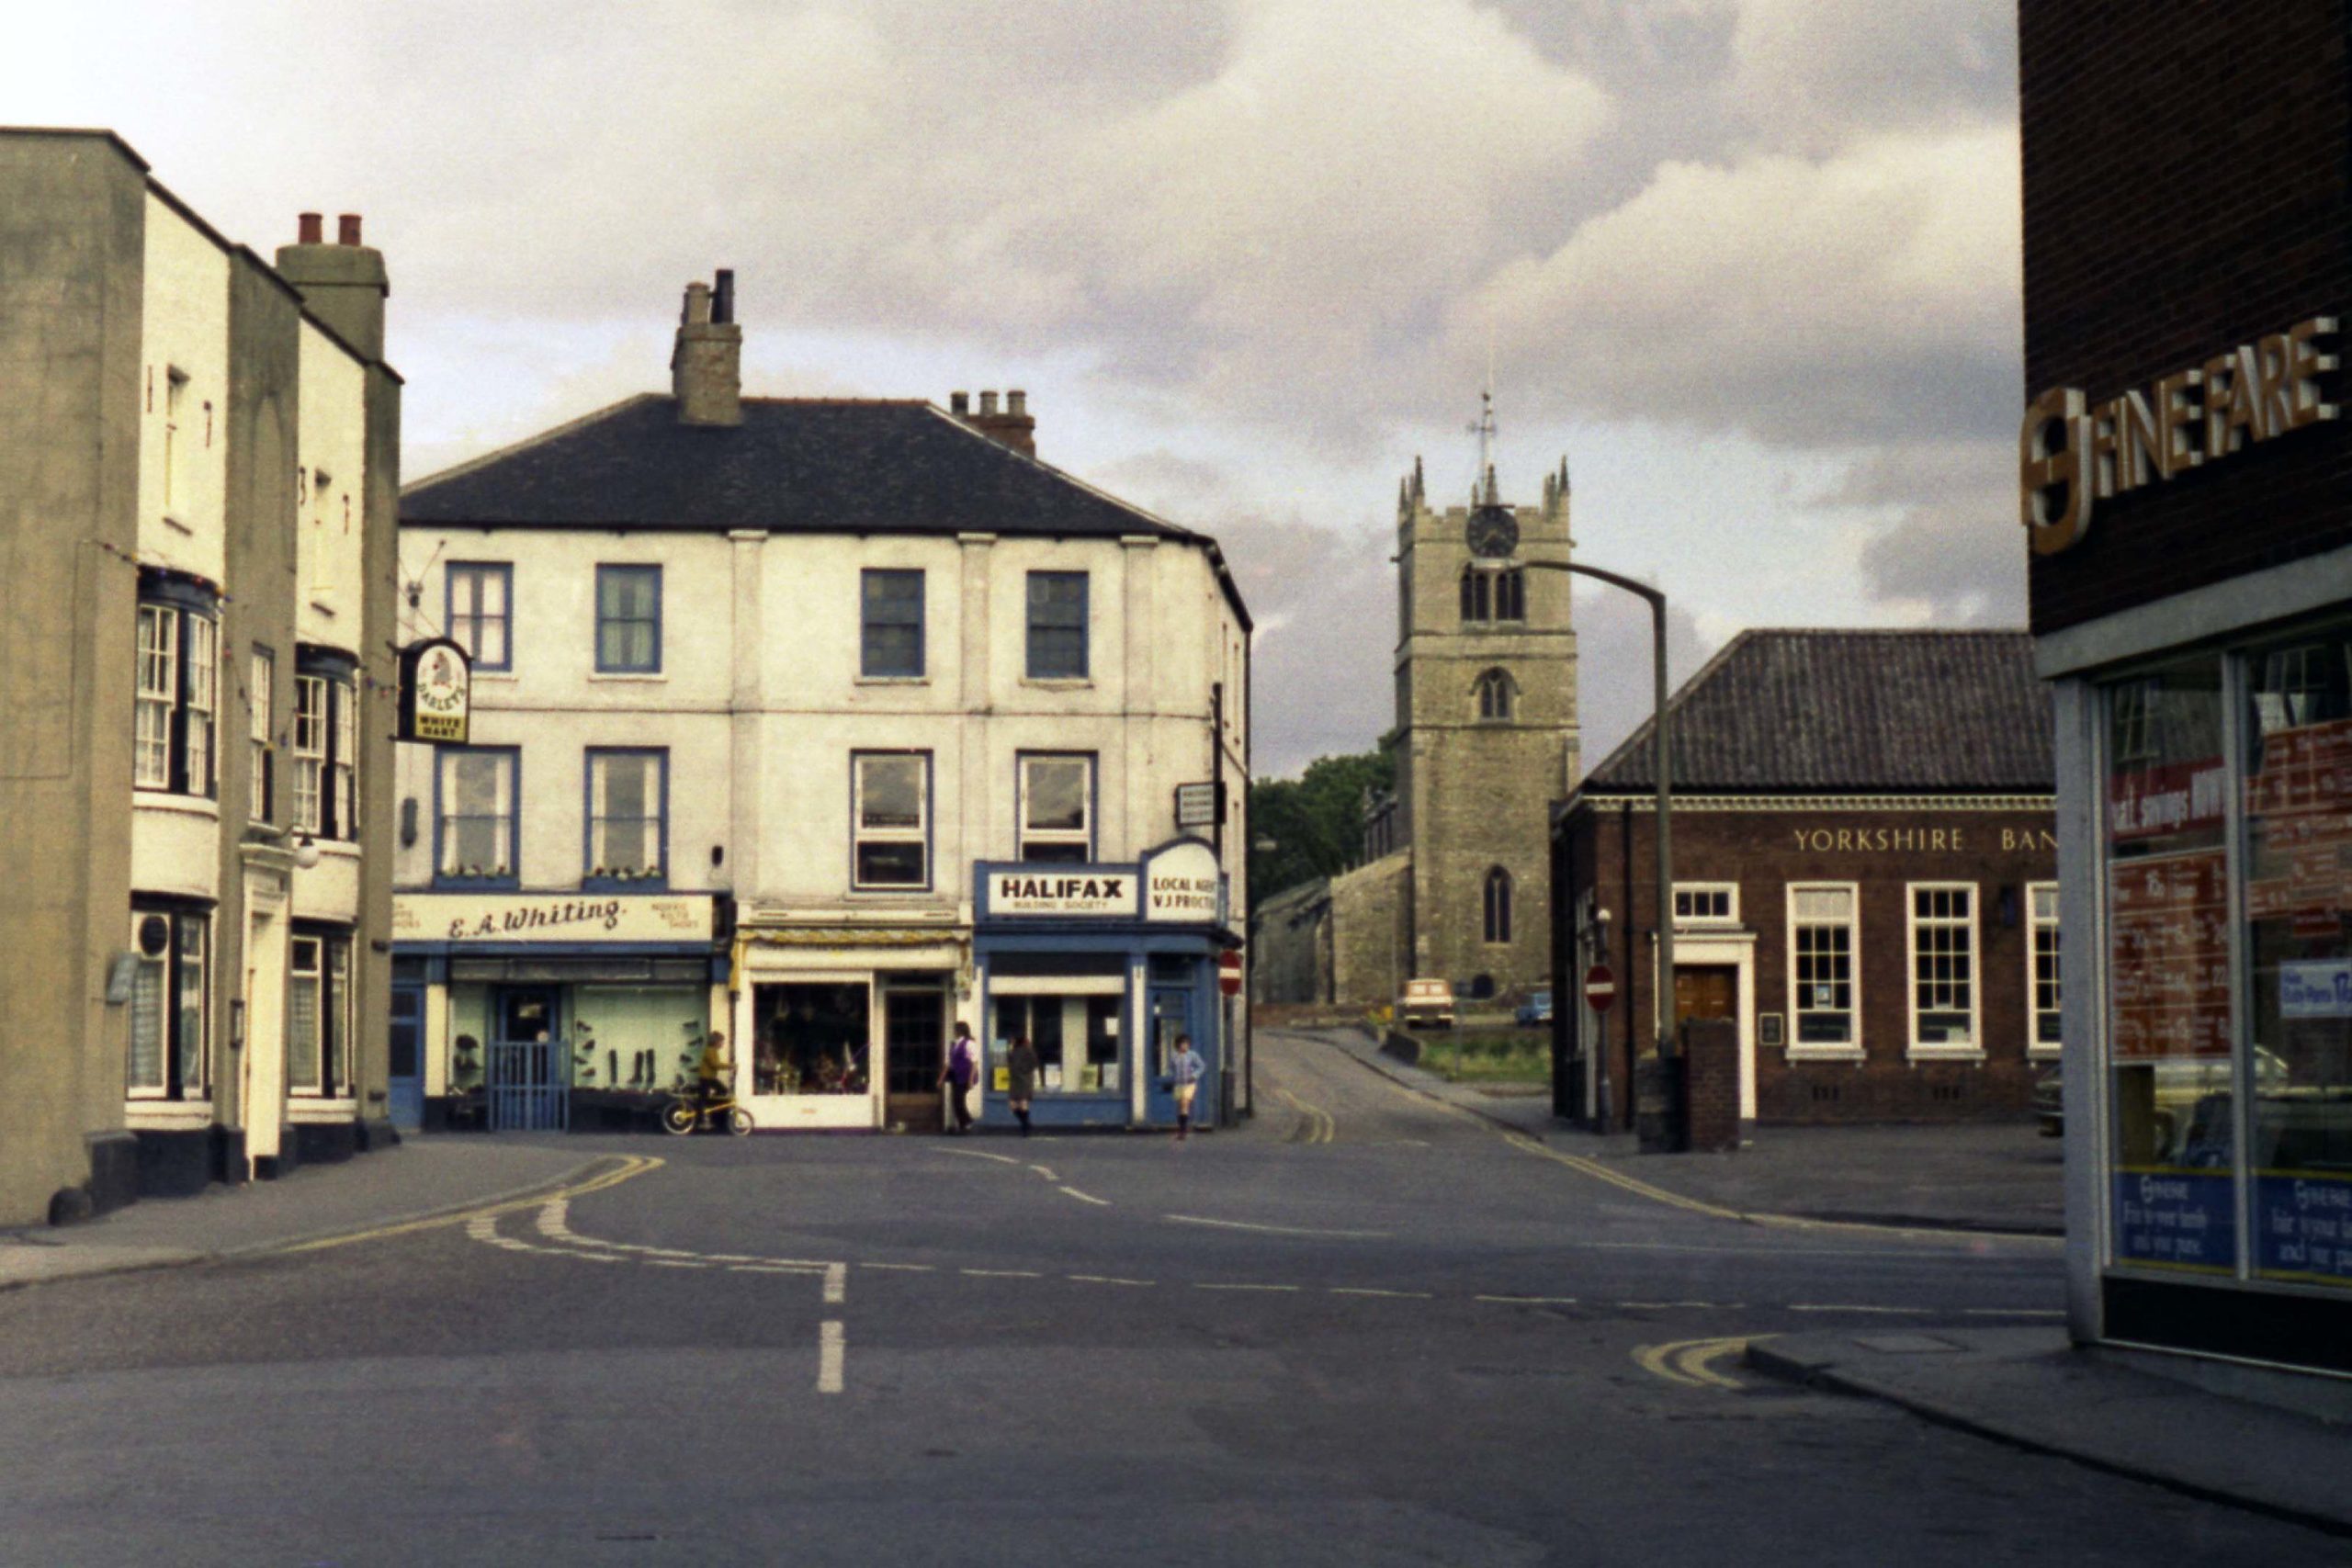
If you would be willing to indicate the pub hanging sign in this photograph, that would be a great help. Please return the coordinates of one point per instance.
(436, 691)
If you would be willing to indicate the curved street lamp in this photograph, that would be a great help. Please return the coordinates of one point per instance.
(1657, 602)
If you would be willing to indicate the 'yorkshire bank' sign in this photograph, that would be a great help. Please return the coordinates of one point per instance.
(556, 917)
(2073, 455)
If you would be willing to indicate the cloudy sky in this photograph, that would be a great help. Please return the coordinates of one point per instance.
(1751, 265)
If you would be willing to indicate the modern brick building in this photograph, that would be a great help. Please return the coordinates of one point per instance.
(199, 456)
(2187, 488)
(1864, 866)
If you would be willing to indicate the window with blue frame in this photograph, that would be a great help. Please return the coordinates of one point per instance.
(481, 611)
(477, 791)
(628, 620)
(1057, 625)
(892, 624)
(1056, 807)
(627, 818)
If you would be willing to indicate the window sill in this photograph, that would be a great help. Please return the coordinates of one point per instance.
(1059, 682)
(159, 1115)
(884, 894)
(303, 1105)
(1946, 1054)
(892, 680)
(476, 884)
(147, 798)
(2044, 1053)
(639, 675)
(1825, 1053)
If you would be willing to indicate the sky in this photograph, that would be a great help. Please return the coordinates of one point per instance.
(1752, 266)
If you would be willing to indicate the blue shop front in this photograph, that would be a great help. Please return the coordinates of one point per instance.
(1103, 966)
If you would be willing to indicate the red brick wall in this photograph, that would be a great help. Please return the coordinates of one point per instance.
(2185, 185)
(1760, 851)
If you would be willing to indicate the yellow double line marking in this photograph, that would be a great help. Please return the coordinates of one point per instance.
(1320, 1126)
(1692, 1363)
(630, 1166)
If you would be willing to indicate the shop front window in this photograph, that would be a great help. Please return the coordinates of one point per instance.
(811, 1039)
(2297, 860)
(2171, 1148)
(1076, 1037)
(170, 1058)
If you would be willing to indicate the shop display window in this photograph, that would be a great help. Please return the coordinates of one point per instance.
(2297, 860)
(641, 1038)
(317, 1016)
(2172, 1105)
(170, 1032)
(811, 1038)
(1077, 1040)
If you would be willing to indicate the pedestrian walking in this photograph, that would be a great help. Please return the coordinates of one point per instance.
(1021, 1068)
(1184, 1068)
(963, 1067)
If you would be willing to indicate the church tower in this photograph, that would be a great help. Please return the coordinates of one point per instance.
(1485, 732)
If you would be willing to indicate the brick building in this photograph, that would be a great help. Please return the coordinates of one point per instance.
(1864, 863)
(2184, 486)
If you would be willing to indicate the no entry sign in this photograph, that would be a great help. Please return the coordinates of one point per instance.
(1599, 988)
(1228, 972)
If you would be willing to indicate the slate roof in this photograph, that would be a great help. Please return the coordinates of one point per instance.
(827, 465)
(1852, 713)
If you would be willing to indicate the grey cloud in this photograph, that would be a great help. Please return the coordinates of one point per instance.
(1955, 553)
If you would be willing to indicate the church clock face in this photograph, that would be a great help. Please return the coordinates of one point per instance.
(1493, 532)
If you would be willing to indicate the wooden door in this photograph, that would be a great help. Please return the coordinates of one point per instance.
(1706, 991)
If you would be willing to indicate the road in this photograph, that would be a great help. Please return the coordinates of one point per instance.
(1366, 1329)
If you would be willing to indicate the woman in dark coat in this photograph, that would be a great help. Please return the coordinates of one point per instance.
(1021, 1068)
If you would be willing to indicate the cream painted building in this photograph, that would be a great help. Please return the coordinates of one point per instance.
(790, 719)
(197, 482)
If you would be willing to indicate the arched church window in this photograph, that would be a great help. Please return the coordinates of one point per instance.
(1477, 595)
(1494, 695)
(1497, 904)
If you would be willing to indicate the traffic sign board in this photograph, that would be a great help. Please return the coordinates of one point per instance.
(1228, 972)
(1599, 988)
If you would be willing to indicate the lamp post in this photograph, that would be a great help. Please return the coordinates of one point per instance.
(1655, 599)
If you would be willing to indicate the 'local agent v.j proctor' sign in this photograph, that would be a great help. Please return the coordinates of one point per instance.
(1179, 884)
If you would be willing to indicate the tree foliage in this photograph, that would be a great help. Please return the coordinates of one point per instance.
(1314, 821)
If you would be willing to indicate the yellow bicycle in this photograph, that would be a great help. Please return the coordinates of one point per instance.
(688, 1112)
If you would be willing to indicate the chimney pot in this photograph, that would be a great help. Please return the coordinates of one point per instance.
(309, 229)
(722, 298)
(959, 402)
(347, 229)
(1016, 402)
(988, 403)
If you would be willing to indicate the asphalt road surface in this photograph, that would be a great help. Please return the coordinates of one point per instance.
(1366, 1330)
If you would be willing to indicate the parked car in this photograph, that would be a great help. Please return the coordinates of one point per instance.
(1427, 1002)
(1535, 1010)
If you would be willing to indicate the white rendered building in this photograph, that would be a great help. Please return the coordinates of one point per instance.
(824, 723)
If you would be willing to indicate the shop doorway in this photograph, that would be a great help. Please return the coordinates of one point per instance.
(914, 1047)
(1171, 1015)
(812, 1058)
(407, 1106)
(525, 1078)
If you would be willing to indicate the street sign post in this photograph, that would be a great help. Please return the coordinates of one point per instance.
(1228, 972)
(1599, 988)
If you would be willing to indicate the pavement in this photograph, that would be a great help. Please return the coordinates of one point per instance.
(417, 1178)
(2276, 1442)
(1998, 1177)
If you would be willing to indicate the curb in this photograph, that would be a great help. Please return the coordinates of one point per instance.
(1762, 1358)
(265, 1248)
(1753, 1217)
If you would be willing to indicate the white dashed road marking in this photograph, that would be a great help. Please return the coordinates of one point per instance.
(831, 1350)
(1098, 1202)
(1272, 1230)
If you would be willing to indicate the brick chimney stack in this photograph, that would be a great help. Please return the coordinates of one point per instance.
(1013, 427)
(706, 366)
(342, 284)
